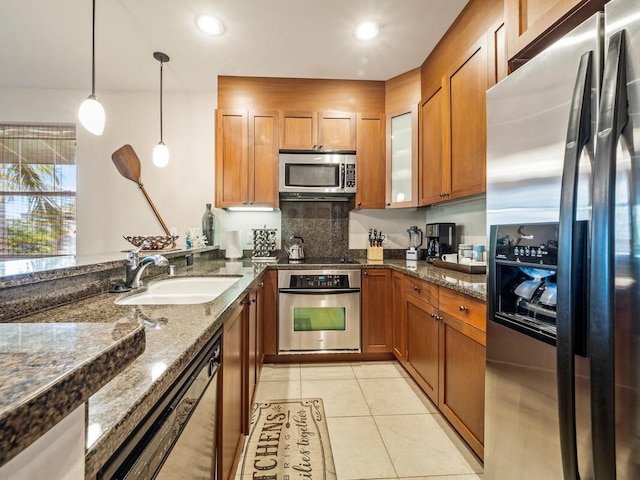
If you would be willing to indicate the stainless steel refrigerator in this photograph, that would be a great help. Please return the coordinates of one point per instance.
(563, 206)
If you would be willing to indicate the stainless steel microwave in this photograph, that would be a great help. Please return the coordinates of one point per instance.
(317, 173)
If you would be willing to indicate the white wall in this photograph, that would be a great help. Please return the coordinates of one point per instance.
(469, 215)
(109, 205)
(394, 223)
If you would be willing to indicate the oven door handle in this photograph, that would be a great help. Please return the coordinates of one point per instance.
(319, 291)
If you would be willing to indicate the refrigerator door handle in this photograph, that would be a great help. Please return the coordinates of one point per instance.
(570, 255)
(612, 120)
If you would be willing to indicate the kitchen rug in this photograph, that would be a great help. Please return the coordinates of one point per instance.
(288, 440)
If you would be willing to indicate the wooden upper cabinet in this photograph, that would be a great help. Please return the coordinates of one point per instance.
(452, 130)
(246, 158)
(402, 158)
(232, 153)
(298, 130)
(263, 159)
(336, 131)
(370, 188)
(533, 25)
(466, 87)
(497, 59)
(318, 131)
(432, 176)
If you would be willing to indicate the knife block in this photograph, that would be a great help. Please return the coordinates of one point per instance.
(374, 253)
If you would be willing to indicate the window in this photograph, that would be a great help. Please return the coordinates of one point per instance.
(37, 190)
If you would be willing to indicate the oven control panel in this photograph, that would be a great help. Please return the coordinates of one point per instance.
(319, 281)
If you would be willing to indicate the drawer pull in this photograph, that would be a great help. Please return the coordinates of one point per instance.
(463, 308)
(365, 273)
(416, 288)
(433, 315)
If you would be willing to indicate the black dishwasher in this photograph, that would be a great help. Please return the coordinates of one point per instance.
(177, 438)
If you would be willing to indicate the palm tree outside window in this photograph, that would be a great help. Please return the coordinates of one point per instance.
(37, 190)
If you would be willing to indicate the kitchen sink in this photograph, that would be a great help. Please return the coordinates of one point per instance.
(176, 291)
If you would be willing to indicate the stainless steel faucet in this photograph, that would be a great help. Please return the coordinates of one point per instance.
(135, 266)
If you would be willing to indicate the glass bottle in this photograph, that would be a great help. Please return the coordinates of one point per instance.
(208, 225)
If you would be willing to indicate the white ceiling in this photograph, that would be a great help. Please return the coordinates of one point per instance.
(47, 43)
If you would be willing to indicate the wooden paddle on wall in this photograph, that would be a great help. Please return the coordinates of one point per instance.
(128, 164)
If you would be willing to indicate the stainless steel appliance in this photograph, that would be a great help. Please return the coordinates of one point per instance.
(318, 311)
(562, 147)
(415, 242)
(441, 239)
(317, 175)
(177, 437)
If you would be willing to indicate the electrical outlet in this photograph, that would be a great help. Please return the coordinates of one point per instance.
(250, 238)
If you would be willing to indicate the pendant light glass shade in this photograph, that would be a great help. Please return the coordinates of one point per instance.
(160, 155)
(160, 152)
(92, 116)
(91, 113)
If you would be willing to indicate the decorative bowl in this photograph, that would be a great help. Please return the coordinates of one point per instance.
(157, 242)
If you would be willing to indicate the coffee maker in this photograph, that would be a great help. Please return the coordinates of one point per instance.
(441, 238)
(415, 242)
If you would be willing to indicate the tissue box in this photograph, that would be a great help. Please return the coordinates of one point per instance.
(374, 253)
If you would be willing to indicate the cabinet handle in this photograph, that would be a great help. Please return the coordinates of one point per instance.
(253, 300)
(359, 203)
(365, 273)
(433, 315)
(320, 146)
(463, 308)
(388, 204)
(261, 284)
(416, 288)
(250, 203)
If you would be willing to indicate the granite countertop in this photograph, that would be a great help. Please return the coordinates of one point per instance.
(48, 370)
(474, 285)
(176, 333)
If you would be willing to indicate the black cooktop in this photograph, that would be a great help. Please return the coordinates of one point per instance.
(320, 261)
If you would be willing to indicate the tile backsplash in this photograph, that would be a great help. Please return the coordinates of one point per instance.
(324, 226)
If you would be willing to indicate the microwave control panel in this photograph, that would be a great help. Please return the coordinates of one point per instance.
(350, 175)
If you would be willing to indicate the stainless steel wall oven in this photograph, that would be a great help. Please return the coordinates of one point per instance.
(319, 311)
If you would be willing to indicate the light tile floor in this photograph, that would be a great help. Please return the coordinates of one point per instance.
(380, 423)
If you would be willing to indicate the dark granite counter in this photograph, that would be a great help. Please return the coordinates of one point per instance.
(48, 370)
(176, 333)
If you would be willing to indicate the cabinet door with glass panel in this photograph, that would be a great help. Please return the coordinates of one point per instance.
(402, 158)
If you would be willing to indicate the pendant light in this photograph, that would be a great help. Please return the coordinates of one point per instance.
(161, 152)
(91, 113)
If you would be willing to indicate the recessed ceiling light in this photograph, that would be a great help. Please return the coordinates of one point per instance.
(209, 24)
(367, 30)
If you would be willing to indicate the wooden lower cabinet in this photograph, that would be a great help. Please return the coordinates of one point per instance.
(422, 344)
(376, 310)
(444, 334)
(461, 377)
(270, 312)
(399, 318)
(231, 406)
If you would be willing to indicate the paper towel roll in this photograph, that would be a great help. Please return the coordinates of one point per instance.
(233, 245)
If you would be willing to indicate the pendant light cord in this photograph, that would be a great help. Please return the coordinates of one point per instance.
(93, 51)
(161, 65)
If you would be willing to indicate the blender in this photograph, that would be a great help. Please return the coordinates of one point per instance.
(415, 241)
